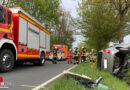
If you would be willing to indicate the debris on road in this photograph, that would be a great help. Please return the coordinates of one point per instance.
(86, 81)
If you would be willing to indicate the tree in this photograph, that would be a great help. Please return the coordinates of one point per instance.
(83, 44)
(98, 23)
(122, 7)
(63, 33)
(44, 11)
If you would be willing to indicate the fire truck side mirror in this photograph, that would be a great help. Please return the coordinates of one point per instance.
(1, 8)
(1, 19)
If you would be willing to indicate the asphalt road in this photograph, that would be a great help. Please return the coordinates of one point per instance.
(32, 75)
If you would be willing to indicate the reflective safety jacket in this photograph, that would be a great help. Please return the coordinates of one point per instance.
(70, 53)
(83, 53)
(55, 51)
(76, 53)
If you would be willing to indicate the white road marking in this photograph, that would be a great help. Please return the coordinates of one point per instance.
(53, 79)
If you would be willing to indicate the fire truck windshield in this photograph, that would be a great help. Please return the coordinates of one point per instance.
(2, 15)
(60, 50)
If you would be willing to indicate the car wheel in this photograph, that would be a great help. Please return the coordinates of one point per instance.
(6, 60)
(117, 63)
(116, 66)
(126, 62)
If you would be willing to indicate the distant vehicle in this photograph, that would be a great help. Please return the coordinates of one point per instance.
(22, 38)
(62, 52)
(115, 59)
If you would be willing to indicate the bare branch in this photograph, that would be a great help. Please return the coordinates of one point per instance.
(116, 6)
(3, 2)
(7, 3)
(127, 3)
(124, 11)
(120, 6)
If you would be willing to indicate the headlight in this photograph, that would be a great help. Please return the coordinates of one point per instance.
(59, 57)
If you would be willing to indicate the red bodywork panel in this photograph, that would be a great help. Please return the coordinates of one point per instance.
(27, 53)
(16, 28)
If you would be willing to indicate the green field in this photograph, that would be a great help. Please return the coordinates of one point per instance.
(65, 83)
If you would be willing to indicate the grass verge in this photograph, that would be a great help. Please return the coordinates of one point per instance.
(109, 80)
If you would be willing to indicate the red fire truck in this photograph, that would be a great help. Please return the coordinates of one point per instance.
(22, 38)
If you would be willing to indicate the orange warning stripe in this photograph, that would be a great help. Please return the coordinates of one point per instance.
(29, 56)
(7, 30)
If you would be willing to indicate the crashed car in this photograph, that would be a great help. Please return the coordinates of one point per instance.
(115, 59)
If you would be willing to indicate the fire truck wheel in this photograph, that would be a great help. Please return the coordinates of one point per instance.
(42, 59)
(6, 60)
(61, 59)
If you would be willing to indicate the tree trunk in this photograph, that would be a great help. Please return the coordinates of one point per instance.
(121, 28)
(99, 48)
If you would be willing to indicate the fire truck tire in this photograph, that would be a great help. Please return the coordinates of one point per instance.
(6, 60)
(41, 61)
(61, 59)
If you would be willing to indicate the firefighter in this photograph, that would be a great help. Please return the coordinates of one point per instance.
(88, 56)
(76, 54)
(55, 50)
(92, 55)
(70, 56)
(83, 55)
(79, 56)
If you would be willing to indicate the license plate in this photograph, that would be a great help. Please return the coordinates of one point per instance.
(105, 63)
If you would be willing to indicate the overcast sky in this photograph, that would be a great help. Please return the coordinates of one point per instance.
(71, 5)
